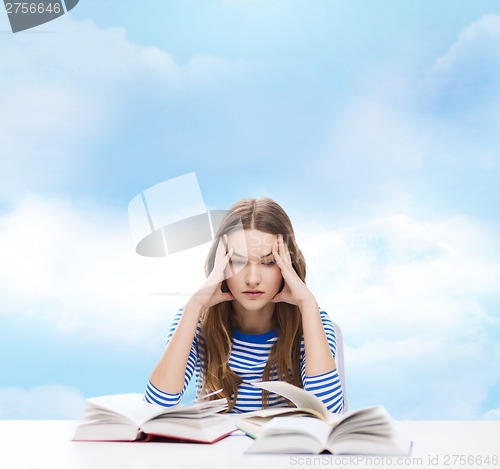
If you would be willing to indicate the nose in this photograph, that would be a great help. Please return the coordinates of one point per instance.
(252, 275)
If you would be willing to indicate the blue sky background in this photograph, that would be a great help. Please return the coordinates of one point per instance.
(375, 125)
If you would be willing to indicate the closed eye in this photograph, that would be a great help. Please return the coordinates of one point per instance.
(271, 262)
(237, 263)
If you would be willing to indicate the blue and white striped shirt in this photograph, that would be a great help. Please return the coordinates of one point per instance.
(249, 355)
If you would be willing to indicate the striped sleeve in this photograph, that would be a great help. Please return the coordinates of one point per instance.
(326, 386)
(153, 395)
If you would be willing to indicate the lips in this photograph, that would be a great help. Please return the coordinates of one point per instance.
(253, 293)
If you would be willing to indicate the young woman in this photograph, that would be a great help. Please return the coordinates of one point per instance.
(254, 319)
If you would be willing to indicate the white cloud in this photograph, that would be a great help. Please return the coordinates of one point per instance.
(373, 135)
(400, 132)
(407, 273)
(413, 298)
(473, 59)
(411, 295)
(63, 91)
(492, 414)
(74, 266)
(376, 146)
(463, 89)
(41, 402)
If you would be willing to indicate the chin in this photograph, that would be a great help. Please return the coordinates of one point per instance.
(252, 305)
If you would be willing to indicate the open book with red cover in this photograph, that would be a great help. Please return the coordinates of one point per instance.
(127, 417)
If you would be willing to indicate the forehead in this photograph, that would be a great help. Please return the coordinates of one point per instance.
(251, 242)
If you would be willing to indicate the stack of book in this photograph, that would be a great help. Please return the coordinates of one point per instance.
(309, 427)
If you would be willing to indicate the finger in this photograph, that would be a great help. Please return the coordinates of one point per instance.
(219, 271)
(229, 254)
(227, 263)
(283, 250)
(280, 253)
(223, 255)
(277, 257)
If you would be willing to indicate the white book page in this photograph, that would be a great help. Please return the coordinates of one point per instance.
(365, 416)
(132, 406)
(300, 397)
(310, 426)
(93, 431)
(206, 429)
(395, 446)
(266, 414)
(137, 411)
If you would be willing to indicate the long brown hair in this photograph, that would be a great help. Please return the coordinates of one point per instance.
(262, 214)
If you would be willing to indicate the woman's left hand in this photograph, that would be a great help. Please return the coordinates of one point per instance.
(295, 291)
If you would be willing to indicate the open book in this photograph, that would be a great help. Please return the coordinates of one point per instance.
(127, 417)
(312, 428)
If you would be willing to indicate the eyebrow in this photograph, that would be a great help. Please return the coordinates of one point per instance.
(261, 257)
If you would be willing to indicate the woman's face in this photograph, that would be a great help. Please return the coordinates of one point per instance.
(252, 275)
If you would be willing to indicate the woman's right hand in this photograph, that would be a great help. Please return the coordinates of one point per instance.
(210, 293)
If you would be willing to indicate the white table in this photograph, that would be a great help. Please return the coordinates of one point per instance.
(31, 444)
